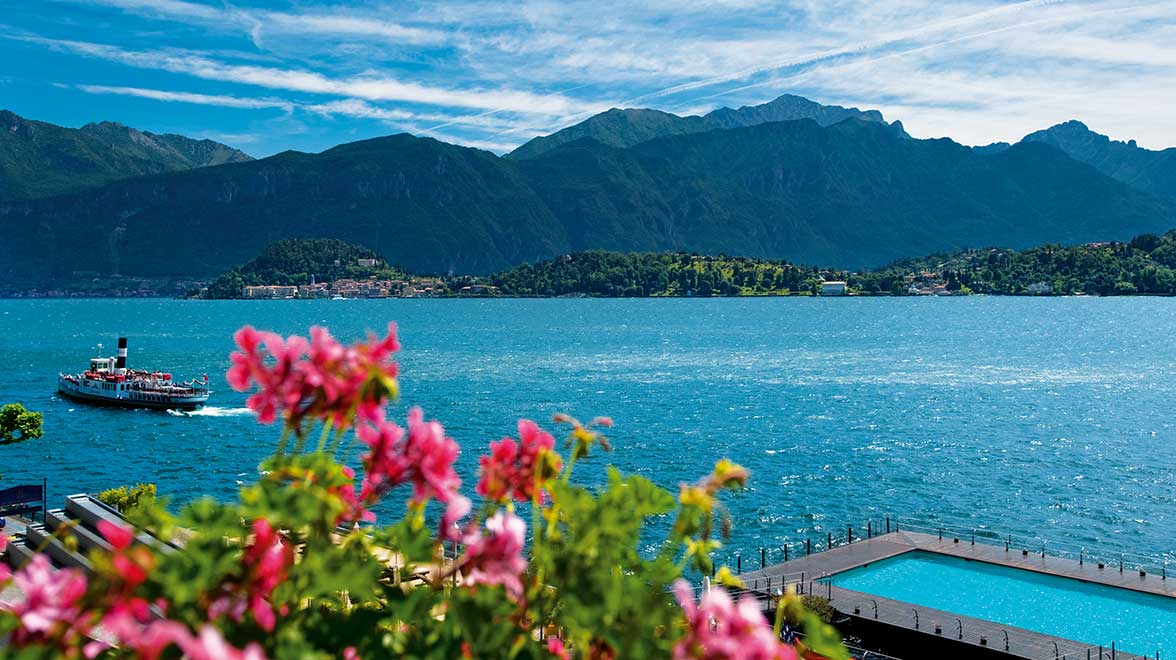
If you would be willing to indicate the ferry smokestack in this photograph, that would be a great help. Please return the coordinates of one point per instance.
(120, 365)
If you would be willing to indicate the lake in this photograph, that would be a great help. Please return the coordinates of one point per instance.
(1048, 416)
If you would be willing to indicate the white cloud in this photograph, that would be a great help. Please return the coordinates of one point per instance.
(276, 22)
(358, 108)
(189, 97)
(368, 87)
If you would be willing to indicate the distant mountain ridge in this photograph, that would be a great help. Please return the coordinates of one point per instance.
(851, 194)
(39, 159)
(629, 127)
(1149, 171)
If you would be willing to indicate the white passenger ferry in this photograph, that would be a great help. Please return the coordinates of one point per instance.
(109, 382)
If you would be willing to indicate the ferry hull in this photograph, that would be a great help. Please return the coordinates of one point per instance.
(133, 400)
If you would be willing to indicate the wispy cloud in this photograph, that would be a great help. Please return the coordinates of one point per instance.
(189, 97)
(368, 87)
(257, 22)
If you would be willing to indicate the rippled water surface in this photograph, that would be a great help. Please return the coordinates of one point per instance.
(1036, 416)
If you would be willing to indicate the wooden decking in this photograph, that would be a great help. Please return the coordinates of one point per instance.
(807, 572)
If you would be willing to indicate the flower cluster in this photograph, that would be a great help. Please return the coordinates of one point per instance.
(132, 565)
(50, 609)
(513, 469)
(264, 564)
(719, 629)
(424, 456)
(317, 379)
(495, 556)
(149, 641)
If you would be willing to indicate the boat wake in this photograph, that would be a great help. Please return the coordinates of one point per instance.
(211, 411)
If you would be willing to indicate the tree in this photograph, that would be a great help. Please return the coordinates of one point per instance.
(126, 498)
(18, 424)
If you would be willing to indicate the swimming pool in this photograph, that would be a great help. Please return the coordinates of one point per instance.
(1062, 607)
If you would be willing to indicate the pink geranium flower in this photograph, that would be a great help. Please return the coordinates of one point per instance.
(318, 379)
(512, 468)
(432, 455)
(424, 456)
(385, 465)
(51, 599)
(353, 509)
(211, 645)
(719, 629)
(265, 565)
(555, 647)
(4, 572)
(267, 562)
(495, 556)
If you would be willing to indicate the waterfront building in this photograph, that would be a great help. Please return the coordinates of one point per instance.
(833, 288)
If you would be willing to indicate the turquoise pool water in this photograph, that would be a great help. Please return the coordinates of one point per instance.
(1062, 607)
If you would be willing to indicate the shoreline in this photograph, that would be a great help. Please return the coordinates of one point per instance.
(592, 297)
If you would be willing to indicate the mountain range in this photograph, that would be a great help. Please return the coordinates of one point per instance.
(1144, 169)
(626, 128)
(39, 159)
(790, 179)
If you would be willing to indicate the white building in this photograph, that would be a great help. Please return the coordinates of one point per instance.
(1039, 289)
(833, 288)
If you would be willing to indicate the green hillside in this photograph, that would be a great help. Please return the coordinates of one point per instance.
(611, 274)
(295, 261)
(39, 159)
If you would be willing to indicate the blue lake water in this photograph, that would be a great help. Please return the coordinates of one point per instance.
(1092, 613)
(1031, 416)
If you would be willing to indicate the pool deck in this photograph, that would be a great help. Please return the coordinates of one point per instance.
(1021, 643)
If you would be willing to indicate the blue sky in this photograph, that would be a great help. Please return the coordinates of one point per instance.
(309, 74)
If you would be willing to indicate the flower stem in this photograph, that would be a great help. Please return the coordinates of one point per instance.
(779, 618)
(327, 429)
(283, 441)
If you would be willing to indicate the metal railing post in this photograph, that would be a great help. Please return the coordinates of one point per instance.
(887, 524)
(763, 557)
(785, 552)
(848, 534)
(961, 625)
(916, 618)
(829, 541)
(738, 564)
(869, 529)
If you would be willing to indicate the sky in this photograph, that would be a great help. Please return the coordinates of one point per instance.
(309, 74)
